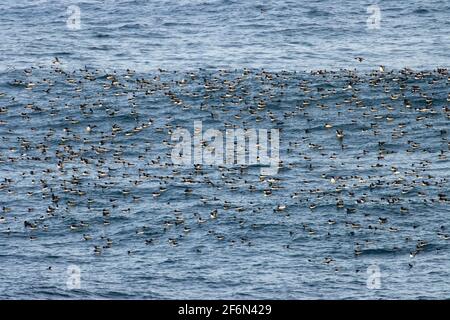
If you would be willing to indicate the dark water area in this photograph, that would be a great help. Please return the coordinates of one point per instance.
(87, 182)
(86, 153)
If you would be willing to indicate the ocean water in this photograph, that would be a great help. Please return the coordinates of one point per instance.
(92, 206)
(184, 34)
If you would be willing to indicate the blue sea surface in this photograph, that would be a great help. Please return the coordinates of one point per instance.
(88, 190)
(185, 34)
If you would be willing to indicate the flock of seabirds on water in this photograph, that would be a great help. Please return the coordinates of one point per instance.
(91, 146)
